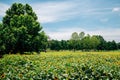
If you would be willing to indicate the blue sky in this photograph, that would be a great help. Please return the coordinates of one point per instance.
(60, 18)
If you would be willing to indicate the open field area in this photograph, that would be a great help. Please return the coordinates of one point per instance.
(59, 40)
(61, 65)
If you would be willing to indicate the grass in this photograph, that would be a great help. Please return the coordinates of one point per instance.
(63, 65)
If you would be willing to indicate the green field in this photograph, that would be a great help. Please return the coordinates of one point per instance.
(64, 65)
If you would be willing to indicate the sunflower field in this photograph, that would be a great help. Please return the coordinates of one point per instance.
(63, 65)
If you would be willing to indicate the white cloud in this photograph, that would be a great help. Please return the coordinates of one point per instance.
(65, 33)
(49, 11)
(54, 11)
(116, 9)
(3, 8)
(65, 10)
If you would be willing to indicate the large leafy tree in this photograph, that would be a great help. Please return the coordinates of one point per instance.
(21, 32)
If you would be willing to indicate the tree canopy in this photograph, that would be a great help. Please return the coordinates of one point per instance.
(20, 31)
(84, 42)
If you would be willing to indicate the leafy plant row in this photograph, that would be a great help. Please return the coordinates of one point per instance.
(61, 66)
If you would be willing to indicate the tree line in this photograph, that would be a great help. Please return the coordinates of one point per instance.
(83, 42)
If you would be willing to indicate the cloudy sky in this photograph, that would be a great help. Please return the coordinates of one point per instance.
(60, 18)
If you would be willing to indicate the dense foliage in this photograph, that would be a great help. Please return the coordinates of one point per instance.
(20, 31)
(61, 66)
(84, 42)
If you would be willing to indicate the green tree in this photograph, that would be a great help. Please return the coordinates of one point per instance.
(22, 31)
(90, 42)
(75, 36)
(64, 45)
(80, 42)
(74, 40)
(94, 41)
(81, 35)
(86, 43)
(111, 45)
(102, 43)
(55, 45)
